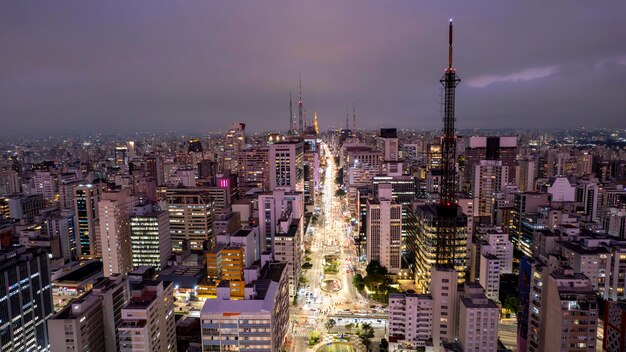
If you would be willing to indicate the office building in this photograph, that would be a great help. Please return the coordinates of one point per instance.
(288, 249)
(148, 322)
(191, 215)
(25, 299)
(150, 237)
(525, 174)
(22, 207)
(114, 210)
(233, 143)
(86, 198)
(286, 166)
(426, 240)
(384, 230)
(253, 169)
(272, 208)
(258, 322)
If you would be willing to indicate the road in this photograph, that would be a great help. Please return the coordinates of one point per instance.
(332, 235)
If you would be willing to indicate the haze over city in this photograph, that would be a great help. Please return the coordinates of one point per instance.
(118, 66)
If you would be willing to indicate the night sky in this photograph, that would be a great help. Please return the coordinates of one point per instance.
(129, 66)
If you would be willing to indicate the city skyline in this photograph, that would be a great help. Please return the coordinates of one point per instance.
(120, 68)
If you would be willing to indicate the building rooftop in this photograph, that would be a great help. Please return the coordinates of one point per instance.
(84, 272)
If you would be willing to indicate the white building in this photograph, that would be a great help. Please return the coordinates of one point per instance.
(286, 166)
(79, 326)
(273, 207)
(288, 249)
(384, 230)
(114, 210)
(410, 318)
(258, 322)
(46, 185)
(478, 320)
(148, 322)
(490, 177)
(490, 276)
(561, 189)
(150, 238)
(444, 291)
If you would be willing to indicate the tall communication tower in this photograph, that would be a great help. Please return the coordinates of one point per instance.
(447, 208)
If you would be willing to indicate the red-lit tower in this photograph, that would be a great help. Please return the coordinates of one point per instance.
(447, 209)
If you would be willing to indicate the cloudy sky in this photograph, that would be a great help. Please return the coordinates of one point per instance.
(124, 66)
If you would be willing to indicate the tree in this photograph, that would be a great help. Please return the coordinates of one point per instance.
(330, 324)
(314, 337)
(307, 251)
(366, 333)
(374, 267)
(384, 345)
(340, 193)
(307, 266)
(349, 327)
(511, 304)
(302, 279)
(357, 281)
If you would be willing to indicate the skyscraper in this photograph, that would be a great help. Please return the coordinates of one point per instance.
(286, 166)
(150, 237)
(86, 198)
(384, 230)
(114, 210)
(25, 299)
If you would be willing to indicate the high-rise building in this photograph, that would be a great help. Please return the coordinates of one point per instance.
(288, 249)
(86, 198)
(79, 326)
(235, 141)
(114, 210)
(502, 148)
(286, 166)
(148, 322)
(191, 214)
(523, 204)
(525, 174)
(25, 207)
(150, 237)
(426, 240)
(490, 276)
(569, 313)
(46, 184)
(410, 318)
(272, 208)
(25, 299)
(258, 322)
(384, 230)
(113, 293)
(444, 291)
(587, 192)
(253, 169)
(478, 320)
(154, 168)
(490, 177)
